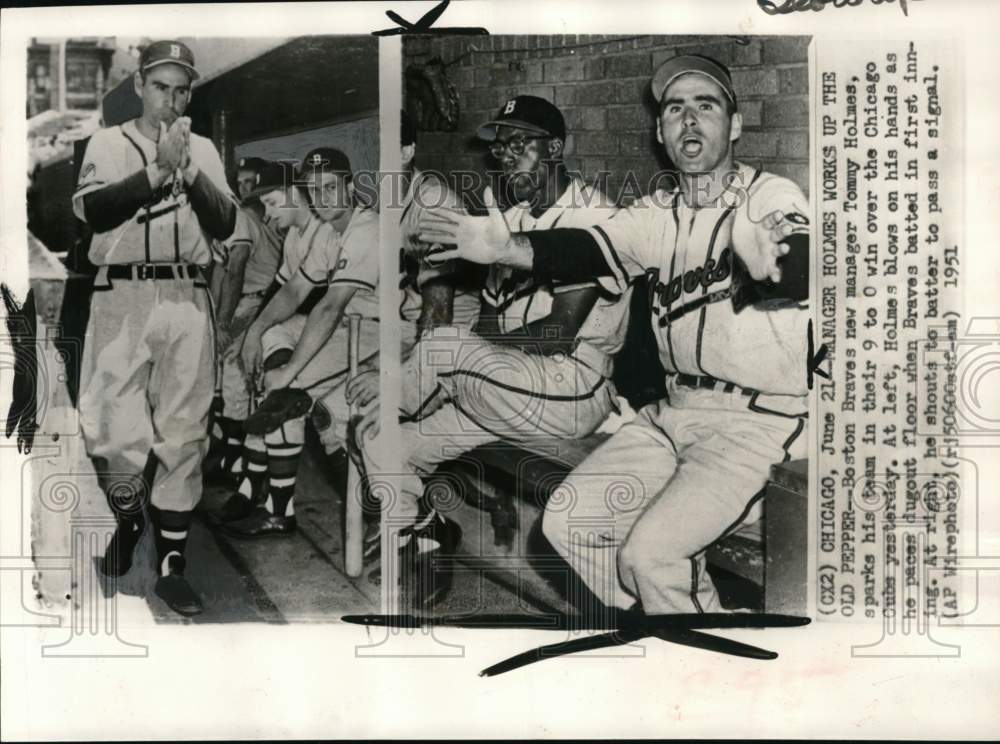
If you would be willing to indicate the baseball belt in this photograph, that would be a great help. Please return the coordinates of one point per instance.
(710, 383)
(153, 271)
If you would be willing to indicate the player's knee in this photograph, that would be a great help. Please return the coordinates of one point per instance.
(642, 552)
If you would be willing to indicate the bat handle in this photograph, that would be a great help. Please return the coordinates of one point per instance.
(353, 516)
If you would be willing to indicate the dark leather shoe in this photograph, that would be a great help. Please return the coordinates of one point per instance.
(237, 506)
(426, 562)
(261, 523)
(178, 594)
(117, 558)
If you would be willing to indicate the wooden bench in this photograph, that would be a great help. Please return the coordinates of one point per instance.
(497, 493)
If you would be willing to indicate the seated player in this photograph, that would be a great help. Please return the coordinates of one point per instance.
(434, 294)
(287, 208)
(243, 279)
(309, 355)
(730, 318)
(540, 361)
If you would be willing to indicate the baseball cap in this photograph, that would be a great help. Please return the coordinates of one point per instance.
(254, 164)
(683, 64)
(407, 131)
(325, 159)
(526, 112)
(168, 52)
(271, 177)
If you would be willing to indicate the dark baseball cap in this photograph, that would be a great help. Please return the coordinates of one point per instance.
(326, 160)
(526, 112)
(271, 177)
(683, 64)
(254, 164)
(168, 52)
(407, 131)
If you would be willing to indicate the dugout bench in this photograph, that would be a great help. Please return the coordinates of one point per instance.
(497, 493)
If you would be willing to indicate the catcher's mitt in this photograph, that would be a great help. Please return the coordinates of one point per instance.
(278, 407)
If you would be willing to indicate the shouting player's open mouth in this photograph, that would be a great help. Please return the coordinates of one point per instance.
(691, 146)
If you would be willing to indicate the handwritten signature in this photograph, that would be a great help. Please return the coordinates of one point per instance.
(791, 6)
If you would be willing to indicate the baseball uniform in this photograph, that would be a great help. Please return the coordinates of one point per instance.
(690, 468)
(148, 364)
(472, 391)
(265, 255)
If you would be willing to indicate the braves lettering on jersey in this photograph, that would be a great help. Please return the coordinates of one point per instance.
(519, 299)
(164, 231)
(300, 243)
(687, 256)
(426, 192)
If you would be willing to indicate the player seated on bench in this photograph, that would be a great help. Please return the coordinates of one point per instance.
(732, 336)
(540, 360)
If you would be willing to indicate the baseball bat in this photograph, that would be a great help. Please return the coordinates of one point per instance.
(353, 521)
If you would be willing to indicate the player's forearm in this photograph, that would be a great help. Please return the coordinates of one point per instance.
(566, 255)
(232, 284)
(116, 203)
(281, 307)
(216, 211)
(543, 336)
(319, 327)
(436, 308)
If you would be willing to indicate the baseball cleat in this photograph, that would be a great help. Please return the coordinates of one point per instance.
(174, 589)
(117, 558)
(261, 523)
(430, 545)
(237, 506)
(278, 407)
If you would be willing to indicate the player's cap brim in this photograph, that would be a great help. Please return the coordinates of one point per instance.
(259, 191)
(488, 131)
(690, 64)
(193, 72)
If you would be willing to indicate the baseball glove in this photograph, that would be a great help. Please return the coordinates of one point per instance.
(278, 407)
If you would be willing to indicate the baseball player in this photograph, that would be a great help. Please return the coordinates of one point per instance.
(156, 196)
(287, 207)
(434, 294)
(540, 361)
(690, 468)
(243, 279)
(248, 175)
(308, 356)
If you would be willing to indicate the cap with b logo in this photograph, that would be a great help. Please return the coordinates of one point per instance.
(252, 164)
(684, 64)
(168, 52)
(271, 177)
(531, 113)
(325, 160)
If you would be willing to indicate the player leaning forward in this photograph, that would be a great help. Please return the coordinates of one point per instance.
(307, 355)
(155, 195)
(692, 465)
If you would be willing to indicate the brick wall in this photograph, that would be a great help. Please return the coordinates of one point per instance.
(602, 89)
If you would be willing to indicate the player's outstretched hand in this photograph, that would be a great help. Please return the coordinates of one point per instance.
(362, 389)
(481, 240)
(761, 257)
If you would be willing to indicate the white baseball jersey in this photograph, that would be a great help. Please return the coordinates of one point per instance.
(264, 246)
(357, 263)
(299, 243)
(166, 230)
(688, 257)
(520, 300)
(428, 192)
